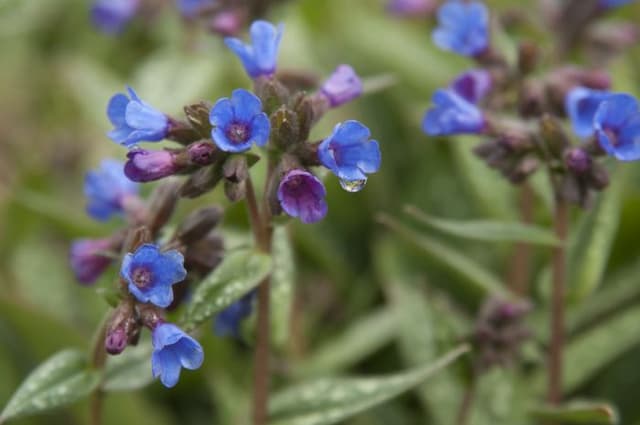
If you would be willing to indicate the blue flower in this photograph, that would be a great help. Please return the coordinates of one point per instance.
(88, 260)
(349, 153)
(173, 349)
(609, 4)
(150, 273)
(617, 125)
(472, 85)
(463, 27)
(135, 120)
(342, 86)
(191, 8)
(452, 114)
(107, 190)
(228, 321)
(301, 194)
(581, 105)
(258, 58)
(111, 16)
(239, 122)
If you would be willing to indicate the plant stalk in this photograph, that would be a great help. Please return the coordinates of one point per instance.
(520, 261)
(262, 234)
(556, 348)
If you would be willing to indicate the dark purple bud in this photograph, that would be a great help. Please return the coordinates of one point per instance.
(578, 161)
(145, 166)
(598, 177)
(301, 194)
(116, 341)
(473, 85)
(228, 23)
(532, 99)
(528, 55)
(342, 86)
(88, 259)
(202, 152)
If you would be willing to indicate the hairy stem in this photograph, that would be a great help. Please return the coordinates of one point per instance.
(262, 234)
(464, 411)
(555, 367)
(520, 261)
(98, 361)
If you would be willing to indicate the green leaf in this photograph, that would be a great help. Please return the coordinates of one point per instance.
(60, 380)
(239, 273)
(328, 401)
(480, 282)
(487, 230)
(131, 370)
(591, 245)
(580, 412)
(359, 340)
(282, 286)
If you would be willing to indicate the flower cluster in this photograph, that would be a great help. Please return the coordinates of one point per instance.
(217, 143)
(480, 100)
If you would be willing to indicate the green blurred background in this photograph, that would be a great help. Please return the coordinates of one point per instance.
(354, 277)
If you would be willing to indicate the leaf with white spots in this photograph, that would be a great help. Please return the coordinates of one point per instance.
(130, 370)
(239, 273)
(328, 401)
(60, 380)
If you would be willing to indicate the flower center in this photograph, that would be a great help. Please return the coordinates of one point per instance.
(237, 132)
(141, 277)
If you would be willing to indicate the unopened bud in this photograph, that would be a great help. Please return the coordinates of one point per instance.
(198, 224)
(182, 132)
(198, 116)
(284, 128)
(236, 169)
(116, 341)
(203, 153)
(162, 205)
(202, 181)
(578, 161)
(145, 166)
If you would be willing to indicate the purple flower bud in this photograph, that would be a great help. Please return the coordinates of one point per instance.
(111, 16)
(227, 23)
(578, 160)
(342, 86)
(87, 260)
(472, 85)
(116, 341)
(301, 194)
(201, 153)
(145, 166)
(410, 8)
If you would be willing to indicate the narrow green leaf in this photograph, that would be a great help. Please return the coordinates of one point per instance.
(129, 371)
(328, 401)
(589, 252)
(359, 340)
(60, 380)
(239, 273)
(282, 286)
(480, 281)
(581, 412)
(487, 230)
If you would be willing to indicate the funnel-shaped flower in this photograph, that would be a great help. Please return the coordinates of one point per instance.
(173, 349)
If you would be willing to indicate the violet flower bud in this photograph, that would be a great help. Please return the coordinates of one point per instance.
(146, 166)
(342, 86)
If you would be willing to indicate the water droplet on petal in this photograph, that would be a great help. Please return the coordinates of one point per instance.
(353, 185)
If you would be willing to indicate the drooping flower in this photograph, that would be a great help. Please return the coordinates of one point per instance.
(609, 4)
(134, 120)
(342, 86)
(150, 274)
(144, 165)
(191, 8)
(452, 114)
(258, 58)
(111, 16)
(239, 122)
(107, 190)
(581, 105)
(173, 350)
(88, 260)
(410, 8)
(463, 27)
(301, 194)
(617, 126)
(228, 321)
(349, 153)
(472, 85)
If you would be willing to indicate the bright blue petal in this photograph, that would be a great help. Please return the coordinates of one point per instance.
(141, 116)
(162, 296)
(222, 141)
(351, 132)
(350, 172)
(245, 54)
(266, 40)
(116, 109)
(325, 155)
(222, 113)
(370, 158)
(190, 353)
(260, 129)
(245, 105)
(581, 105)
(168, 367)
